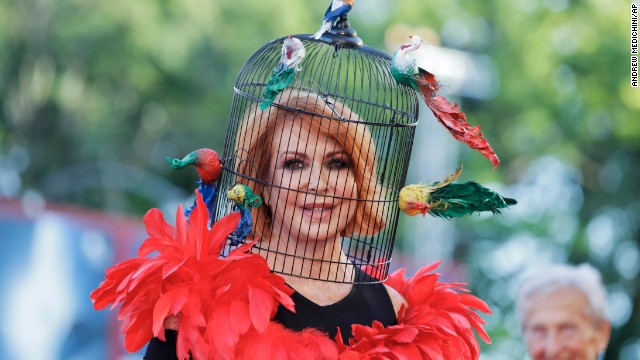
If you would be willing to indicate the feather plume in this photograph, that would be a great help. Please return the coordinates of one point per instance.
(226, 305)
(405, 70)
(278, 342)
(457, 200)
(447, 200)
(281, 78)
(451, 117)
(437, 324)
(219, 300)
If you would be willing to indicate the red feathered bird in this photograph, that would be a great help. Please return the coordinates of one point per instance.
(406, 72)
(208, 164)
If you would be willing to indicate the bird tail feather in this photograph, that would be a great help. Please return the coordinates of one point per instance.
(326, 26)
(452, 118)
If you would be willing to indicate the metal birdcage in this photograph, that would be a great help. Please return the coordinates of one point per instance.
(345, 113)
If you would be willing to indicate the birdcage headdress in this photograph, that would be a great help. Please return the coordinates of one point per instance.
(328, 154)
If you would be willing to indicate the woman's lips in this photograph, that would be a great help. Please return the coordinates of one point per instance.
(317, 211)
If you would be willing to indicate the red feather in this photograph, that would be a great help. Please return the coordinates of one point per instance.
(452, 118)
(437, 324)
(219, 300)
(226, 304)
(278, 342)
(377, 270)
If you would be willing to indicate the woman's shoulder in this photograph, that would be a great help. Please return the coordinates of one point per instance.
(396, 299)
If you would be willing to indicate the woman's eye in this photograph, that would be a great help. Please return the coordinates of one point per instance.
(338, 164)
(294, 164)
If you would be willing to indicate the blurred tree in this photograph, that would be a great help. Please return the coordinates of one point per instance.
(96, 93)
(565, 125)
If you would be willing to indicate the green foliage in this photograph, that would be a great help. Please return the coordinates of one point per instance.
(84, 84)
(564, 94)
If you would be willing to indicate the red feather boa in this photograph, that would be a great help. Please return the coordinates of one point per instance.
(437, 323)
(226, 304)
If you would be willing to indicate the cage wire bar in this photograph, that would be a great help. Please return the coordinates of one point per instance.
(353, 88)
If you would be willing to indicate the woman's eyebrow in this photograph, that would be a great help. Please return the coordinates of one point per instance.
(334, 153)
(295, 153)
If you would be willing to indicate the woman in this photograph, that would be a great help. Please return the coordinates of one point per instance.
(317, 176)
(318, 182)
(314, 164)
(303, 289)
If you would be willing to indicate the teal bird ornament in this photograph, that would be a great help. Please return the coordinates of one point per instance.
(293, 52)
(406, 72)
(208, 164)
(337, 9)
(244, 200)
(446, 200)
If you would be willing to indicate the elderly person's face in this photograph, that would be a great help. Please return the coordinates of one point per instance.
(322, 172)
(558, 325)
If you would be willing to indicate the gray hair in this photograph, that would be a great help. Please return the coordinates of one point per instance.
(584, 278)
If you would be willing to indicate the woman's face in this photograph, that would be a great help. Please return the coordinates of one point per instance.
(313, 180)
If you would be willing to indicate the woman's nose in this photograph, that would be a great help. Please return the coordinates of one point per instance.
(318, 181)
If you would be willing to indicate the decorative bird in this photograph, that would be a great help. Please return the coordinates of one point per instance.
(406, 72)
(446, 200)
(244, 200)
(293, 52)
(335, 11)
(209, 166)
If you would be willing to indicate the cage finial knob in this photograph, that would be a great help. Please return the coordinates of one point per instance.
(341, 34)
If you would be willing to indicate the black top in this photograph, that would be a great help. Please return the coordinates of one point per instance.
(163, 350)
(364, 304)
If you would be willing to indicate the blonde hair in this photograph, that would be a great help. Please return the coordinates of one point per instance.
(254, 140)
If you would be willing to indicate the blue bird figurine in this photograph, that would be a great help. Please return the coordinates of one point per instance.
(244, 200)
(333, 13)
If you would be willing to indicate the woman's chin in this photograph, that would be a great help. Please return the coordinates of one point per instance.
(318, 232)
(312, 226)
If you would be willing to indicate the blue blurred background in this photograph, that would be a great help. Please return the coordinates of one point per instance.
(95, 94)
